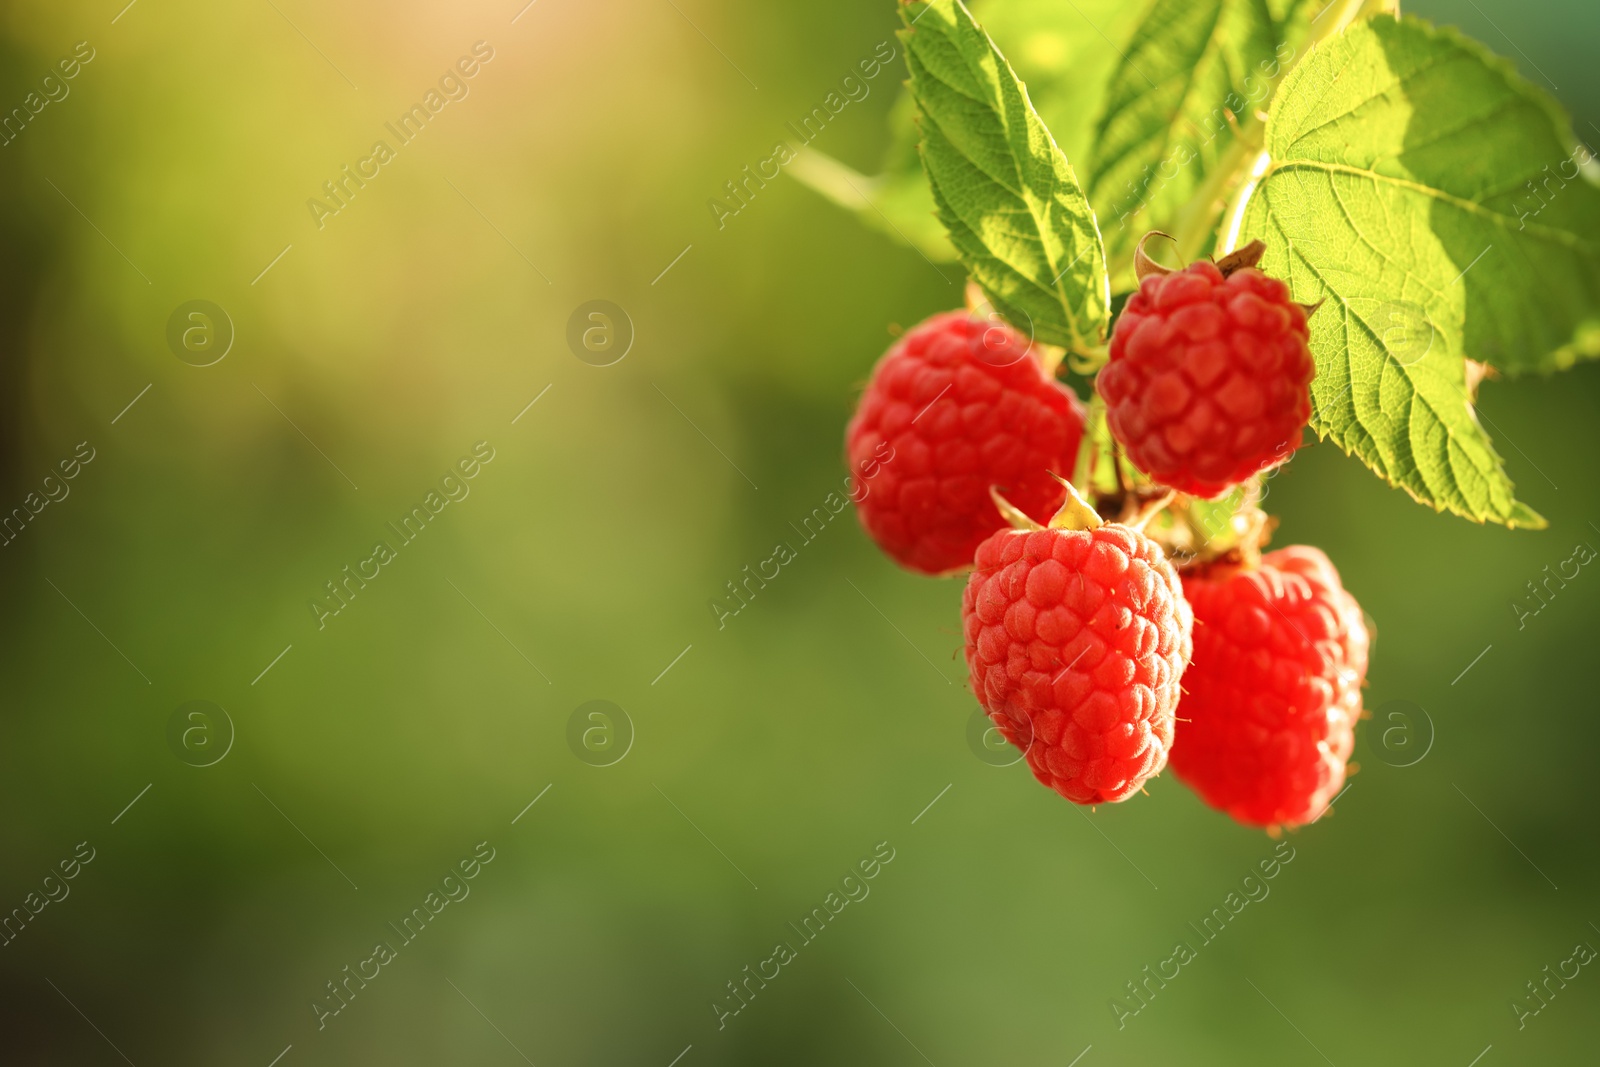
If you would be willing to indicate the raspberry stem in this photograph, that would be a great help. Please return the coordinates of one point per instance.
(1221, 196)
(1199, 218)
(1151, 510)
(1345, 13)
(1119, 465)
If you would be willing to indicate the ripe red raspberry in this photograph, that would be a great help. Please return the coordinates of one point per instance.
(1075, 641)
(1273, 693)
(958, 405)
(1208, 380)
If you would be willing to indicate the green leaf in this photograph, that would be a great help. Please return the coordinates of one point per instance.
(1402, 164)
(1293, 18)
(1062, 52)
(1006, 194)
(1065, 53)
(1193, 70)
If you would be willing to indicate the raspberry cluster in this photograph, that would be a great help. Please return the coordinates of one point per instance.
(1106, 630)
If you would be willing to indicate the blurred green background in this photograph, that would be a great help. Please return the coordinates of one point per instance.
(767, 757)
